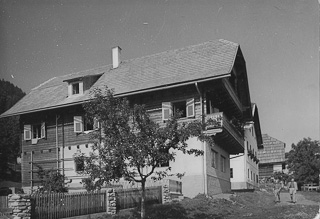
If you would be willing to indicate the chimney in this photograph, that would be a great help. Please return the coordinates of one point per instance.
(116, 51)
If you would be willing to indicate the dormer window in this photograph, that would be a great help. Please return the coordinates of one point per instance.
(75, 88)
(78, 85)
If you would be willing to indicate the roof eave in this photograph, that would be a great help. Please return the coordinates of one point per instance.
(120, 95)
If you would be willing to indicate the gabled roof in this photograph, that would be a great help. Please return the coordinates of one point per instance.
(257, 127)
(273, 150)
(171, 68)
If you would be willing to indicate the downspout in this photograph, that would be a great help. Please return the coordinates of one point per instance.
(62, 153)
(57, 142)
(203, 144)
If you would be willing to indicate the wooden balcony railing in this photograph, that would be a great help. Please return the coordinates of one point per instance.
(219, 123)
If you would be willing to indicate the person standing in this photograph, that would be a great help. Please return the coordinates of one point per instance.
(278, 185)
(293, 187)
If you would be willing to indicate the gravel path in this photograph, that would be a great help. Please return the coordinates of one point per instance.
(286, 200)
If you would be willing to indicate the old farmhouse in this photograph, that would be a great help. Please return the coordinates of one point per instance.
(204, 81)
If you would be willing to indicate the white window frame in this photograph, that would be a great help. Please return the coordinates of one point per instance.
(70, 88)
(29, 129)
(27, 134)
(190, 105)
(78, 120)
(167, 109)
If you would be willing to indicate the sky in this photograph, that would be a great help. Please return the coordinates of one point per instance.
(41, 39)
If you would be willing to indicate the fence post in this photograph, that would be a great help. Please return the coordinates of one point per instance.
(111, 201)
(21, 205)
(165, 192)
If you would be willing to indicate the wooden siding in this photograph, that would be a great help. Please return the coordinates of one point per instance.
(273, 150)
(45, 151)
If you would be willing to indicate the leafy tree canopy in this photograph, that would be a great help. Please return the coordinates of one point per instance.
(130, 145)
(9, 129)
(304, 161)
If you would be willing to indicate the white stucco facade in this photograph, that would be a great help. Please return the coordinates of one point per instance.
(244, 168)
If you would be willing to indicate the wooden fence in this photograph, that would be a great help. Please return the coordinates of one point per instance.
(60, 205)
(3, 202)
(130, 198)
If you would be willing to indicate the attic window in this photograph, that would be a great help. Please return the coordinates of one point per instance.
(75, 88)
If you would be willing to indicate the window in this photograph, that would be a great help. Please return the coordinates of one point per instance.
(75, 88)
(257, 177)
(223, 164)
(81, 124)
(88, 125)
(27, 132)
(186, 108)
(180, 107)
(231, 173)
(248, 174)
(214, 159)
(79, 164)
(35, 131)
(77, 124)
(251, 174)
(164, 151)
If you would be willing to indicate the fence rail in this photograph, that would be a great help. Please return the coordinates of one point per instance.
(60, 205)
(3, 202)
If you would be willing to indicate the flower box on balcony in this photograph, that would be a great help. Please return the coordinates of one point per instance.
(214, 121)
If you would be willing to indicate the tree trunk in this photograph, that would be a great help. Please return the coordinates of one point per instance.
(143, 197)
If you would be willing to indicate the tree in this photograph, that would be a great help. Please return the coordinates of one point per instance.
(130, 145)
(304, 161)
(51, 181)
(9, 129)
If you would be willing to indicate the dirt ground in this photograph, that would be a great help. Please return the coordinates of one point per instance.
(261, 205)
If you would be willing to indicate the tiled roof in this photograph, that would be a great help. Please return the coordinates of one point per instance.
(273, 150)
(173, 67)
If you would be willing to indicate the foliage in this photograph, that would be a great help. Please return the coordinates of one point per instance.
(130, 145)
(51, 181)
(281, 176)
(9, 130)
(304, 161)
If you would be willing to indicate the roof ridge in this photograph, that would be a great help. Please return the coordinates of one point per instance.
(139, 58)
(182, 48)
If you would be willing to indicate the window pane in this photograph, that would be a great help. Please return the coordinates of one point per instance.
(180, 107)
(214, 159)
(75, 88)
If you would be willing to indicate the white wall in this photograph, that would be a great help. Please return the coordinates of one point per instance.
(244, 164)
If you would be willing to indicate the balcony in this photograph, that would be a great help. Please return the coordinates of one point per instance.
(226, 135)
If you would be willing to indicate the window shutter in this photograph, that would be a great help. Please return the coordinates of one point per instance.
(27, 132)
(43, 130)
(190, 107)
(77, 124)
(166, 110)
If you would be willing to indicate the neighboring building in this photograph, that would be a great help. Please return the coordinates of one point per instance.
(244, 171)
(204, 81)
(271, 156)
